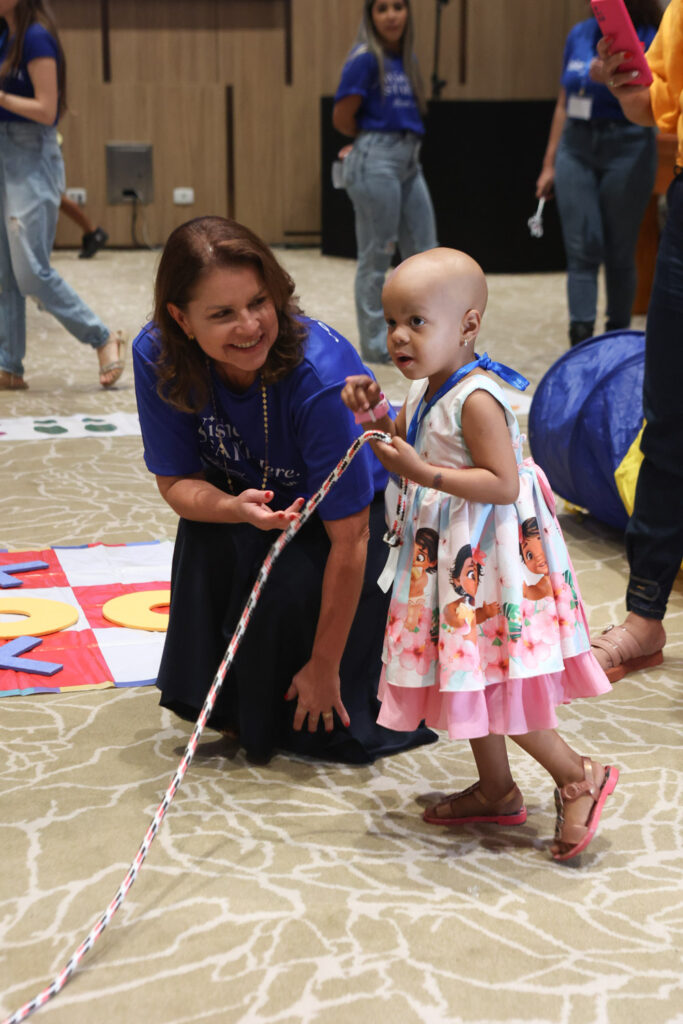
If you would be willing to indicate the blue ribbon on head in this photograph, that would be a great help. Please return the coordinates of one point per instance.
(506, 373)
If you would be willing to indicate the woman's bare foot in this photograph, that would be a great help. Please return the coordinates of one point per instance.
(636, 643)
(472, 805)
(111, 357)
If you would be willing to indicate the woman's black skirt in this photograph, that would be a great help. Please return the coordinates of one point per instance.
(214, 568)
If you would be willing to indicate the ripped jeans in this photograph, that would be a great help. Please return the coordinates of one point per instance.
(393, 208)
(31, 187)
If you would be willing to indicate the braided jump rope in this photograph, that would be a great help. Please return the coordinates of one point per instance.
(58, 983)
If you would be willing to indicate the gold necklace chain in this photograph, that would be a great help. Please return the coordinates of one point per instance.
(221, 446)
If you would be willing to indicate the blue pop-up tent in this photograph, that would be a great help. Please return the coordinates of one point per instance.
(584, 417)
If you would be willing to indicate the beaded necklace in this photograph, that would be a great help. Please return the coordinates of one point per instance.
(221, 446)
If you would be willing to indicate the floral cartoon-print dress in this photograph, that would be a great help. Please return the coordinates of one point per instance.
(486, 630)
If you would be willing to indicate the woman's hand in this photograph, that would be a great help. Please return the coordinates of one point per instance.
(361, 392)
(545, 183)
(316, 689)
(344, 151)
(607, 66)
(634, 99)
(400, 458)
(253, 509)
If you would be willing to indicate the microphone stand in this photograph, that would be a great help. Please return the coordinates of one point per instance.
(437, 83)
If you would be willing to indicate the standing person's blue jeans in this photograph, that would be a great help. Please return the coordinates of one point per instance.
(654, 535)
(31, 187)
(604, 174)
(393, 208)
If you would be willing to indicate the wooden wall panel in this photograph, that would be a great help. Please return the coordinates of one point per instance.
(171, 61)
(251, 58)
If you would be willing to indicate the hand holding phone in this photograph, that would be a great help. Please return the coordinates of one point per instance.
(614, 21)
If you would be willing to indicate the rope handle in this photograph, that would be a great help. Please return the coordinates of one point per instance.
(58, 983)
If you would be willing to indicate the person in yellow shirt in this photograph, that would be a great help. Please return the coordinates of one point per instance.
(654, 535)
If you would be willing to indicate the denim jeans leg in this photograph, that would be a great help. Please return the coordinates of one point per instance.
(34, 183)
(576, 190)
(628, 158)
(417, 227)
(12, 312)
(12, 302)
(373, 183)
(654, 534)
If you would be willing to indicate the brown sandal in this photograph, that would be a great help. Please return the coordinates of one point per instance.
(492, 811)
(624, 652)
(599, 782)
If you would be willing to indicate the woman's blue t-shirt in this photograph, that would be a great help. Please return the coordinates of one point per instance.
(580, 49)
(38, 42)
(393, 110)
(309, 427)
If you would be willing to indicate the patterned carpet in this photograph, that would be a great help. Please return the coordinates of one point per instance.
(306, 893)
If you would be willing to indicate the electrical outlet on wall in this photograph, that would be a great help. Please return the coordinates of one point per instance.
(77, 195)
(183, 196)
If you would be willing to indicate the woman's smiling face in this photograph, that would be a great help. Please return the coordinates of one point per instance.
(234, 320)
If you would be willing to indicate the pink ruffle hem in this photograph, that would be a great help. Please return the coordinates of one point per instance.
(510, 708)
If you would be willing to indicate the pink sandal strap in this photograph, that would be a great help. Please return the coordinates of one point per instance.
(619, 644)
(594, 776)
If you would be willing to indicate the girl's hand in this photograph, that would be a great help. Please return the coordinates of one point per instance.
(253, 508)
(361, 392)
(344, 151)
(400, 458)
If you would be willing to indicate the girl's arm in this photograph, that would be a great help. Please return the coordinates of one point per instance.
(544, 185)
(43, 106)
(317, 684)
(492, 479)
(193, 497)
(344, 115)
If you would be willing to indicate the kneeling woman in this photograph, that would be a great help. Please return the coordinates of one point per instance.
(238, 395)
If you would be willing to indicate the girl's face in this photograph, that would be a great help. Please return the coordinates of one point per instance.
(534, 555)
(389, 19)
(234, 320)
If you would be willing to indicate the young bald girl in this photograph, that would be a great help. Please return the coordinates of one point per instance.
(519, 645)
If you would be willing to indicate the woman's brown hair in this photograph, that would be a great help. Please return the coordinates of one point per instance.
(26, 13)
(193, 250)
(645, 12)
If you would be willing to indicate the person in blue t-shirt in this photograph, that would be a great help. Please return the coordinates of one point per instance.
(32, 97)
(238, 396)
(602, 169)
(379, 103)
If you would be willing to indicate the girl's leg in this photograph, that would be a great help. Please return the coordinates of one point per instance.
(566, 766)
(494, 796)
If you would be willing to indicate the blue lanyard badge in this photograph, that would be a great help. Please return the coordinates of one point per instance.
(510, 376)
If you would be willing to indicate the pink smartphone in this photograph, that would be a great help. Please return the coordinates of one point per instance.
(614, 20)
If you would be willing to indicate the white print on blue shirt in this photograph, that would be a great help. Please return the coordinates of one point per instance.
(396, 83)
(576, 65)
(216, 433)
(327, 330)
